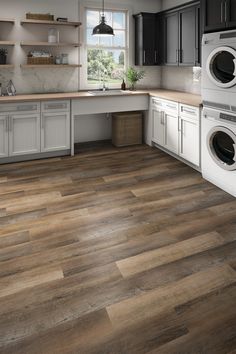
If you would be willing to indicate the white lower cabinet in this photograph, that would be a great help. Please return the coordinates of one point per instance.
(158, 132)
(24, 134)
(55, 131)
(3, 136)
(171, 132)
(176, 127)
(189, 140)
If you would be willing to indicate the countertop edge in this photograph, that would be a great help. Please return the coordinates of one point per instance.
(189, 98)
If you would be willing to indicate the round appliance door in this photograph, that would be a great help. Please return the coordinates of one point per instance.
(221, 67)
(221, 143)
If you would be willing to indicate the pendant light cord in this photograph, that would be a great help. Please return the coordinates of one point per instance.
(103, 8)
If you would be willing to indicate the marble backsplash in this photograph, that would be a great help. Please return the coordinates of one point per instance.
(181, 79)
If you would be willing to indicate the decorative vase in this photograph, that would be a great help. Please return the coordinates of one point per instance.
(3, 59)
(133, 86)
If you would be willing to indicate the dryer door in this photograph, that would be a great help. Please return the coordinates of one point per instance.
(221, 67)
(221, 143)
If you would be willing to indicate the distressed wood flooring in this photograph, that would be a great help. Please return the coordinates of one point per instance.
(115, 251)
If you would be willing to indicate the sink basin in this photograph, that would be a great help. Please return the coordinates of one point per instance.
(107, 93)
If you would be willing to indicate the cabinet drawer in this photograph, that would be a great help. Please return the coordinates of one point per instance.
(20, 107)
(54, 106)
(189, 111)
(171, 106)
(155, 102)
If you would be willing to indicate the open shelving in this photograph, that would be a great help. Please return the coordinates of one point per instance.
(47, 44)
(6, 66)
(7, 43)
(7, 20)
(32, 66)
(53, 23)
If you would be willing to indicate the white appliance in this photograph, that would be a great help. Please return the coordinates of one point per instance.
(219, 148)
(219, 70)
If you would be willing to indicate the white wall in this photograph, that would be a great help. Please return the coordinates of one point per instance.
(38, 80)
(176, 78)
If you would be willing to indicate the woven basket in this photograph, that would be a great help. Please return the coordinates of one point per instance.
(42, 17)
(127, 128)
(40, 61)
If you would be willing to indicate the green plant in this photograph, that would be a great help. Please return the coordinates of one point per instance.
(3, 52)
(133, 75)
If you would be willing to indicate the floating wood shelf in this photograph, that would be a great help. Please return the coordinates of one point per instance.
(54, 23)
(6, 66)
(31, 66)
(7, 20)
(47, 44)
(4, 43)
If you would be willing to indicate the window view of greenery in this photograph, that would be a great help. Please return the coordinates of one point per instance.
(106, 55)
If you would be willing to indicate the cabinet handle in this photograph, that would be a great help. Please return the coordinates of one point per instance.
(188, 111)
(155, 56)
(225, 11)
(221, 11)
(9, 124)
(6, 124)
(42, 122)
(179, 125)
(170, 106)
(144, 56)
(177, 55)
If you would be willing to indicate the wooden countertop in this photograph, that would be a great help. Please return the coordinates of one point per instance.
(177, 96)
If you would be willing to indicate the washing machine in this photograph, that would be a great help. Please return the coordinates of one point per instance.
(219, 70)
(219, 148)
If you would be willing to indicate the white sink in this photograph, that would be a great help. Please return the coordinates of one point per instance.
(107, 93)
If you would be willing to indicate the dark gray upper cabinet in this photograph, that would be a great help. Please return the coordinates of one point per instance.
(146, 39)
(187, 33)
(171, 41)
(218, 15)
(182, 36)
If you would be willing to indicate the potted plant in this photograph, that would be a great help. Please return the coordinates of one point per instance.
(3, 56)
(133, 76)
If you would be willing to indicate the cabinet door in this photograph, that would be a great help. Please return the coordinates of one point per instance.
(230, 8)
(3, 136)
(24, 134)
(158, 127)
(145, 39)
(189, 141)
(171, 23)
(213, 15)
(55, 131)
(187, 37)
(171, 132)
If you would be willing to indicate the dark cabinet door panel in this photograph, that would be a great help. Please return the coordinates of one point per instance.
(213, 15)
(187, 39)
(230, 10)
(145, 39)
(171, 23)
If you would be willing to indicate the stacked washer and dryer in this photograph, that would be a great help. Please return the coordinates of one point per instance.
(219, 109)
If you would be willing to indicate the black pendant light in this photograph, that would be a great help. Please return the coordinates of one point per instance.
(103, 29)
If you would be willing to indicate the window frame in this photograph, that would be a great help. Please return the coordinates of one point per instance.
(85, 82)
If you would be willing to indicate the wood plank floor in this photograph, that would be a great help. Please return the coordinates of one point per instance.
(115, 251)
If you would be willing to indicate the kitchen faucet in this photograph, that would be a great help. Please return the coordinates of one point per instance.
(104, 86)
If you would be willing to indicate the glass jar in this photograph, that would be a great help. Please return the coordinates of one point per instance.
(58, 60)
(64, 59)
(53, 35)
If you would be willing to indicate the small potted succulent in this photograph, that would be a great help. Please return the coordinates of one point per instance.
(133, 76)
(3, 56)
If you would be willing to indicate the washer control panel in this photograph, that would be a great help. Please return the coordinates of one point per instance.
(227, 117)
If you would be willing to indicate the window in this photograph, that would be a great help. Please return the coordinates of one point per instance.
(106, 56)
